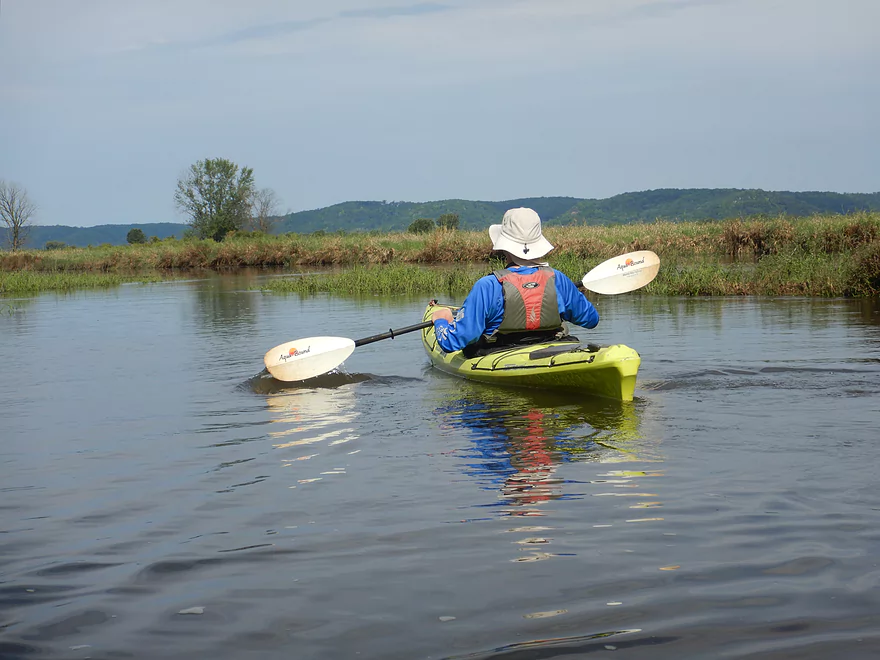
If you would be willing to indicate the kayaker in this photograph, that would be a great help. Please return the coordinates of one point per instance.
(524, 302)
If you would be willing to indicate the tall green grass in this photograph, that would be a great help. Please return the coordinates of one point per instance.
(794, 273)
(394, 279)
(29, 282)
(791, 274)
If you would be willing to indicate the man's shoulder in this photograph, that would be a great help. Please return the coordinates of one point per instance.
(560, 275)
(487, 280)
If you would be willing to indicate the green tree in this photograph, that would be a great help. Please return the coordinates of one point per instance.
(216, 195)
(448, 221)
(421, 226)
(55, 245)
(136, 235)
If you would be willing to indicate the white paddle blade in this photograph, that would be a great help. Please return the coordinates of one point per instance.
(307, 358)
(627, 272)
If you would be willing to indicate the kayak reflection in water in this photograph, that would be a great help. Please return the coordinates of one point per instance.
(527, 301)
(521, 438)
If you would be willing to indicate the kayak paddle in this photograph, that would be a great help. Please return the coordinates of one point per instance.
(627, 272)
(313, 356)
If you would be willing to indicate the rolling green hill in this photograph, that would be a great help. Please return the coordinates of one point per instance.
(717, 204)
(392, 216)
(646, 206)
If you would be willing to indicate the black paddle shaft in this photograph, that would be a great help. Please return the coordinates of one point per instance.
(391, 334)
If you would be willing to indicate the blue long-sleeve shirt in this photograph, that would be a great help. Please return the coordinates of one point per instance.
(483, 309)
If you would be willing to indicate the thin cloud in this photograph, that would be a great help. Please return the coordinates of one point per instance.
(666, 7)
(390, 12)
(267, 30)
(277, 29)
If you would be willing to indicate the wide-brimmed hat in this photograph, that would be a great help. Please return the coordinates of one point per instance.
(520, 234)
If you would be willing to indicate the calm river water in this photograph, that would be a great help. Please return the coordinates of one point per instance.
(160, 499)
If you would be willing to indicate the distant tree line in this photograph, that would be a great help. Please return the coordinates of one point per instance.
(447, 221)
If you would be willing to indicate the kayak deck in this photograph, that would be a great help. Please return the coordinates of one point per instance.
(607, 371)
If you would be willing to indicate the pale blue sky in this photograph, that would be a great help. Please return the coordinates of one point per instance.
(103, 104)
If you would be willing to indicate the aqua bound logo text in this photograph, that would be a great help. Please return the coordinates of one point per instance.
(629, 263)
(294, 352)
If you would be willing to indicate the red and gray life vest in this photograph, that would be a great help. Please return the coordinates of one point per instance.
(529, 301)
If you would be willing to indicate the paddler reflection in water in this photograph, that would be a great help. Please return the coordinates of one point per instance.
(534, 461)
(525, 302)
(514, 446)
(520, 438)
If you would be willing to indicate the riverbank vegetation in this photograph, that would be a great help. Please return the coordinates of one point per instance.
(777, 275)
(823, 255)
(26, 282)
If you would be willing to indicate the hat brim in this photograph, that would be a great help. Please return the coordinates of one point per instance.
(533, 250)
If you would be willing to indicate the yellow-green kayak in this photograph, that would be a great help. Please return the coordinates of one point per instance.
(608, 371)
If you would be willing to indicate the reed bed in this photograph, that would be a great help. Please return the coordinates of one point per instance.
(28, 282)
(819, 255)
(783, 275)
(778, 275)
(394, 279)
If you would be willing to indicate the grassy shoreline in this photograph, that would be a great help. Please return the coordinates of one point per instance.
(25, 282)
(822, 276)
(814, 256)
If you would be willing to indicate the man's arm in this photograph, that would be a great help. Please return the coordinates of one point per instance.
(577, 309)
(470, 319)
